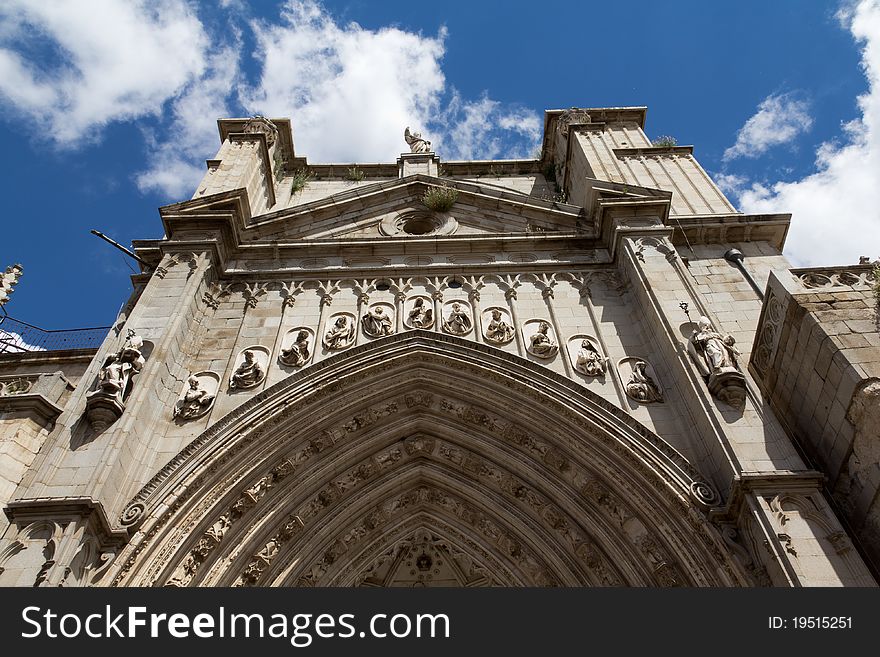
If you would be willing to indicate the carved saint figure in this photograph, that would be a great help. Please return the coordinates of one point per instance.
(248, 374)
(340, 335)
(195, 402)
(541, 344)
(498, 331)
(297, 353)
(641, 386)
(589, 361)
(377, 323)
(119, 368)
(712, 352)
(421, 316)
(415, 142)
(458, 322)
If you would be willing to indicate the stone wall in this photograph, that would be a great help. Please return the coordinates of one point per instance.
(817, 357)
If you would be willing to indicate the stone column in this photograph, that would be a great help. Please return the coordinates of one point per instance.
(587, 300)
(474, 298)
(547, 293)
(437, 296)
(510, 295)
(363, 302)
(400, 305)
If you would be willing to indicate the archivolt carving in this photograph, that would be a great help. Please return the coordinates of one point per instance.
(535, 459)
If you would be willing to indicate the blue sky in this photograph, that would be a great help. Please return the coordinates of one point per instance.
(110, 107)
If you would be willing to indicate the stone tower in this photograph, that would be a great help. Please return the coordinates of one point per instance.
(434, 373)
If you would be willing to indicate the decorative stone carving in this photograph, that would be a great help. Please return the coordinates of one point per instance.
(8, 281)
(715, 356)
(586, 356)
(340, 334)
(106, 402)
(415, 142)
(298, 351)
(198, 396)
(378, 321)
(458, 320)
(420, 314)
(639, 380)
(418, 223)
(15, 386)
(499, 329)
(768, 333)
(540, 339)
(250, 369)
(263, 125)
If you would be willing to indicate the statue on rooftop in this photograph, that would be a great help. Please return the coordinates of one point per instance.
(415, 141)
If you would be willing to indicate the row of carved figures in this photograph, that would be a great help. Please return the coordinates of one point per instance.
(714, 355)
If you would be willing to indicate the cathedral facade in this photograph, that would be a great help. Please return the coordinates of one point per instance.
(586, 369)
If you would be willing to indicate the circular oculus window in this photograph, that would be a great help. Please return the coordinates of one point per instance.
(418, 224)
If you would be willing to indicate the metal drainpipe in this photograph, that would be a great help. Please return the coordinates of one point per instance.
(736, 257)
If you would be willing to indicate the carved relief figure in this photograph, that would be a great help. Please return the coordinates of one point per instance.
(195, 402)
(641, 386)
(589, 361)
(712, 352)
(377, 323)
(421, 316)
(458, 321)
(541, 344)
(415, 142)
(498, 331)
(248, 374)
(119, 368)
(297, 354)
(340, 335)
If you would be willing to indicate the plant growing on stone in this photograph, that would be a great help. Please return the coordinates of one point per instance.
(440, 199)
(664, 141)
(875, 273)
(356, 175)
(300, 179)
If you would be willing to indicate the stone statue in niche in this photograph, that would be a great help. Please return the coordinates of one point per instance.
(106, 402)
(248, 374)
(195, 402)
(119, 368)
(541, 344)
(421, 316)
(715, 356)
(415, 142)
(340, 335)
(641, 386)
(459, 321)
(377, 322)
(589, 360)
(711, 351)
(498, 331)
(297, 354)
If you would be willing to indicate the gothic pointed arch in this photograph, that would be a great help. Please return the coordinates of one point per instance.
(424, 459)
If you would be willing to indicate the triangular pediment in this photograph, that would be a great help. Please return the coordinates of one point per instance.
(396, 209)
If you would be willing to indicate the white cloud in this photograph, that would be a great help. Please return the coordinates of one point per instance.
(779, 119)
(176, 151)
(350, 91)
(836, 210)
(102, 60)
(481, 130)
